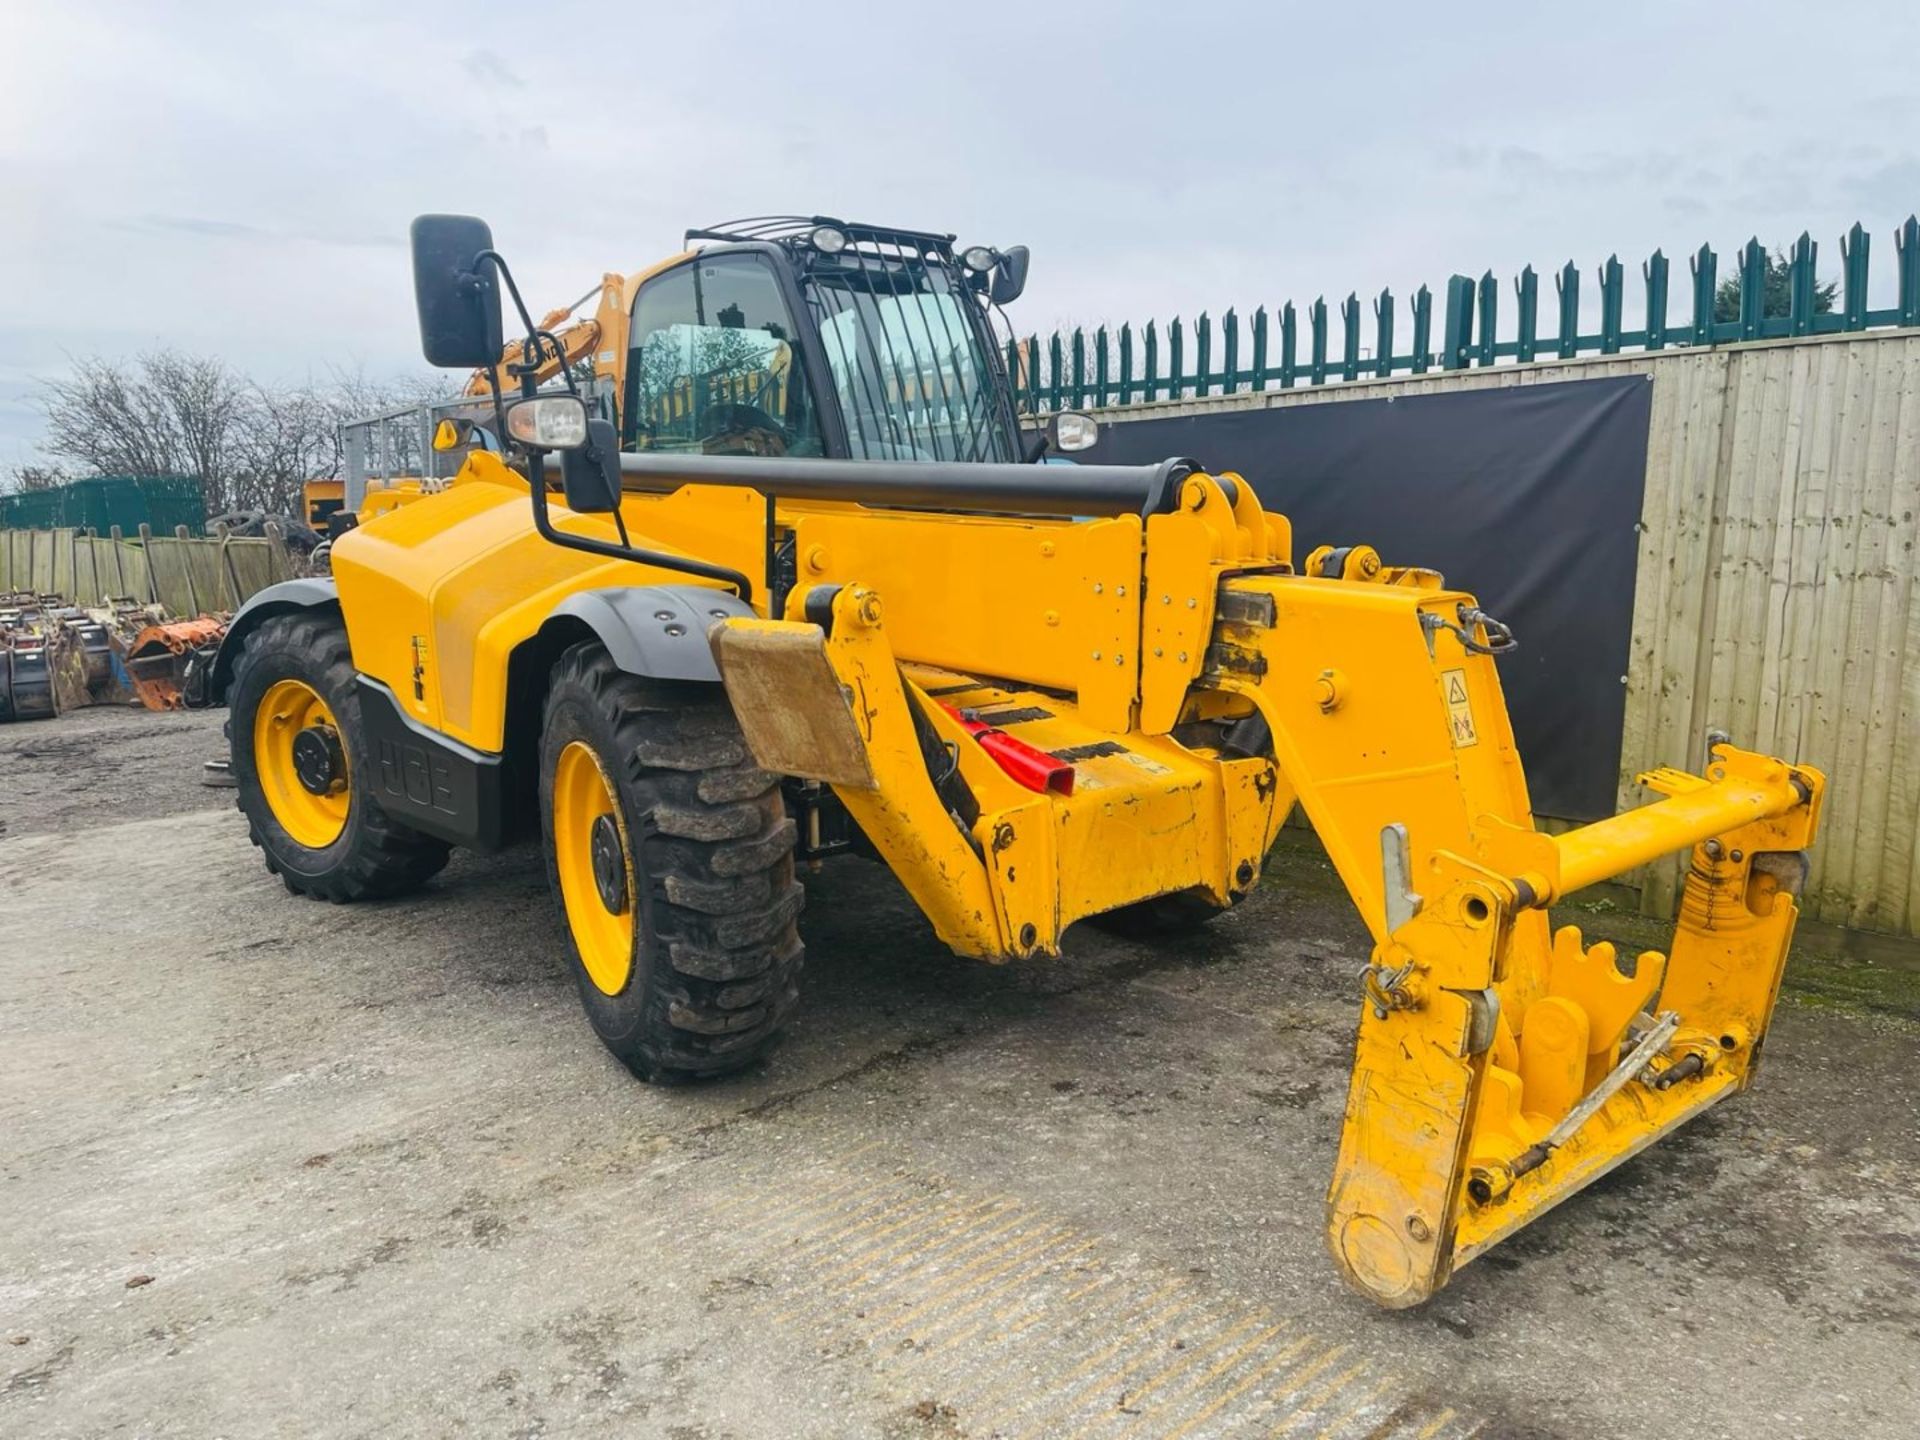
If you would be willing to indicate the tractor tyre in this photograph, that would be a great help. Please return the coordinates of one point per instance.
(670, 854)
(296, 746)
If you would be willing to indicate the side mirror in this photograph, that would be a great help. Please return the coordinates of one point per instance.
(457, 295)
(1010, 276)
(590, 475)
(1070, 430)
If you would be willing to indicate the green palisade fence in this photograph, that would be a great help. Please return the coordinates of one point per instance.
(1075, 371)
(104, 501)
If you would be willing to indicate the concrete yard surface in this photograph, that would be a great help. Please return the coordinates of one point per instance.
(273, 1167)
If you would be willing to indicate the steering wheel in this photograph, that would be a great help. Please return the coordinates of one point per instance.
(736, 429)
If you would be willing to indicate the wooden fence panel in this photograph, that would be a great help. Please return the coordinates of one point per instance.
(187, 575)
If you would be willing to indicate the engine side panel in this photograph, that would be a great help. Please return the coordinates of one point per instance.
(438, 593)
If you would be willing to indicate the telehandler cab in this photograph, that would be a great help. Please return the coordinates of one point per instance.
(812, 603)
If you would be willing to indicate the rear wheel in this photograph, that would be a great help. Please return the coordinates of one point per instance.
(671, 859)
(296, 744)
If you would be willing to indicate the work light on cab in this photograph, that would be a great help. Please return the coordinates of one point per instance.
(1074, 431)
(549, 422)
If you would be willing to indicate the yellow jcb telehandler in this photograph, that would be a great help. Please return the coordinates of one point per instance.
(812, 597)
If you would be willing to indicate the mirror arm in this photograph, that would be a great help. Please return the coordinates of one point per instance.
(500, 266)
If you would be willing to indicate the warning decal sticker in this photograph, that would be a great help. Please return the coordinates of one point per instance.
(1459, 708)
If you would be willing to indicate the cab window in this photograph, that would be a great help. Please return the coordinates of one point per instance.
(714, 367)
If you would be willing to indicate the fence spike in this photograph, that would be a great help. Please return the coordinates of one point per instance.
(1854, 248)
(1422, 330)
(1153, 361)
(1753, 288)
(1057, 367)
(1100, 368)
(1458, 331)
(1489, 318)
(1259, 375)
(1568, 283)
(1176, 376)
(1202, 353)
(1906, 244)
(1317, 341)
(1612, 291)
(1705, 266)
(1350, 337)
(1230, 351)
(1289, 349)
(1527, 317)
(1800, 285)
(1383, 333)
(1126, 362)
(1655, 274)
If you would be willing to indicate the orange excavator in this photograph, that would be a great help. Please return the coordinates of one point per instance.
(598, 340)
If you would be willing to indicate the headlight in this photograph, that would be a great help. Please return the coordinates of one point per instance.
(548, 422)
(828, 240)
(978, 258)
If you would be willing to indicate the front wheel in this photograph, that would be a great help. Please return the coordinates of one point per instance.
(670, 856)
(297, 746)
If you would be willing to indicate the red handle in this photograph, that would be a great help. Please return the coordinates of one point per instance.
(1025, 764)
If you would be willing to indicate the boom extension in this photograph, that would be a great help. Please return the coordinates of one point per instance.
(1500, 1065)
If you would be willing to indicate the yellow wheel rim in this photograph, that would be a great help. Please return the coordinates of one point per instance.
(598, 896)
(314, 817)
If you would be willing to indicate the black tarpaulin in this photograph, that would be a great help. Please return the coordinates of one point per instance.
(1528, 496)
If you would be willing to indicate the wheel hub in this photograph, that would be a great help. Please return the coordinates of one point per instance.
(318, 761)
(609, 865)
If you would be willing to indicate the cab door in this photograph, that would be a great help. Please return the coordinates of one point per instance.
(717, 364)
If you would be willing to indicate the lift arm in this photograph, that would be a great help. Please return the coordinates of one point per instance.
(1500, 1065)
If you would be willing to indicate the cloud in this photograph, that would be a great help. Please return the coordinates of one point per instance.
(245, 173)
(194, 225)
(489, 69)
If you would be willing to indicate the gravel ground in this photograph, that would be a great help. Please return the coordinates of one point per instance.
(274, 1167)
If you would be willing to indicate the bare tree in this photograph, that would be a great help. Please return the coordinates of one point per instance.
(251, 445)
(25, 478)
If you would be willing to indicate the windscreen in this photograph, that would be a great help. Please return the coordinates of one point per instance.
(905, 354)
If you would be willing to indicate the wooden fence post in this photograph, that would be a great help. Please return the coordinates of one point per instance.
(231, 580)
(146, 551)
(186, 572)
(281, 559)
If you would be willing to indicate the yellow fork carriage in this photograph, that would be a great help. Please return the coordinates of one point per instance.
(1038, 694)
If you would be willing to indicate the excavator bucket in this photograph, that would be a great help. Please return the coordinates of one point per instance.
(164, 659)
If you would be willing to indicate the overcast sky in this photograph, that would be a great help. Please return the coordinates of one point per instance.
(237, 178)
